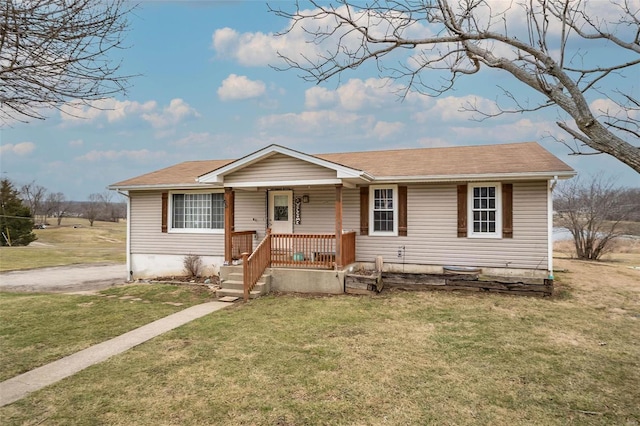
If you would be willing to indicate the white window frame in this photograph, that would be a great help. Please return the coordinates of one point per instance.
(173, 230)
(498, 232)
(372, 189)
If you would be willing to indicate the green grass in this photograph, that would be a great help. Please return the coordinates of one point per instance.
(66, 245)
(397, 358)
(40, 328)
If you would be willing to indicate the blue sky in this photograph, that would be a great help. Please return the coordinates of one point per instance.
(205, 91)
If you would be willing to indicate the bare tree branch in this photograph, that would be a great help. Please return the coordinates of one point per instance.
(54, 51)
(460, 38)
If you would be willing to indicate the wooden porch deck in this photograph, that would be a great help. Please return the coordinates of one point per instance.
(305, 251)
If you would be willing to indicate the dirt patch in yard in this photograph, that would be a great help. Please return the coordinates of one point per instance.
(177, 279)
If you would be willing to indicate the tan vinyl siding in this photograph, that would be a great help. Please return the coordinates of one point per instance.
(147, 238)
(250, 213)
(318, 215)
(282, 168)
(432, 237)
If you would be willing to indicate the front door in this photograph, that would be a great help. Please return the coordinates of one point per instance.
(280, 212)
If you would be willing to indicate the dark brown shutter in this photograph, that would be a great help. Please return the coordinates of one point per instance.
(462, 211)
(165, 210)
(507, 210)
(402, 211)
(364, 210)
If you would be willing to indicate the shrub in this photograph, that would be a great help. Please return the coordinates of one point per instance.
(192, 265)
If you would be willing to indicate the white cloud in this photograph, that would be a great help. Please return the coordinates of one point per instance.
(315, 122)
(76, 143)
(239, 87)
(261, 49)
(177, 111)
(22, 148)
(384, 129)
(318, 97)
(520, 131)
(356, 94)
(452, 109)
(194, 139)
(112, 155)
(76, 112)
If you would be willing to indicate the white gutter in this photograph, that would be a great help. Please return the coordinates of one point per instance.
(129, 271)
(163, 186)
(477, 177)
(552, 185)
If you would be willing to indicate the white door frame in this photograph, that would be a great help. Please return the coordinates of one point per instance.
(281, 226)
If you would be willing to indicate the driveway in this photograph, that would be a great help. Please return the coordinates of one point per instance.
(65, 279)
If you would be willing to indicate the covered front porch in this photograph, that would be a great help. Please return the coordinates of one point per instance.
(277, 249)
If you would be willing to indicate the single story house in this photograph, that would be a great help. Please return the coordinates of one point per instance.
(487, 207)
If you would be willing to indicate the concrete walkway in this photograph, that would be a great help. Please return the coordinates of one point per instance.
(20, 386)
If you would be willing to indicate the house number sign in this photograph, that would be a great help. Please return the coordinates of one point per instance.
(297, 217)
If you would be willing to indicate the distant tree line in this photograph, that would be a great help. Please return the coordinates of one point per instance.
(44, 204)
(31, 205)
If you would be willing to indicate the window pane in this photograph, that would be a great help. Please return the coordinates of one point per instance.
(484, 209)
(178, 211)
(383, 209)
(198, 211)
(383, 221)
(217, 211)
(281, 208)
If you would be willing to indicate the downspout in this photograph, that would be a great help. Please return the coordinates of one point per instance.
(129, 271)
(552, 185)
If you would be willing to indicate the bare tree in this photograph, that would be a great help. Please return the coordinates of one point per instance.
(57, 205)
(542, 44)
(34, 195)
(592, 212)
(92, 208)
(54, 51)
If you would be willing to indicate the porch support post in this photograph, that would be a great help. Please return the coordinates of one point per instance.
(339, 226)
(228, 224)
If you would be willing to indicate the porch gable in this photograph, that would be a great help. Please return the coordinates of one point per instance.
(279, 166)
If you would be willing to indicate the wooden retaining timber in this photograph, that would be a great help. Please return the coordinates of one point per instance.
(363, 283)
(469, 282)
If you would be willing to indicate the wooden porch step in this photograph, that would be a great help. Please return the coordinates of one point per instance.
(232, 283)
(261, 286)
(238, 293)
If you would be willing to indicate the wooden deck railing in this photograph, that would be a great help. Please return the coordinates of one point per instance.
(348, 248)
(317, 251)
(311, 251)
(241, 242)
(254, 264)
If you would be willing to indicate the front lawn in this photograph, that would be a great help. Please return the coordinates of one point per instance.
(39, 328)
(397, 358)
